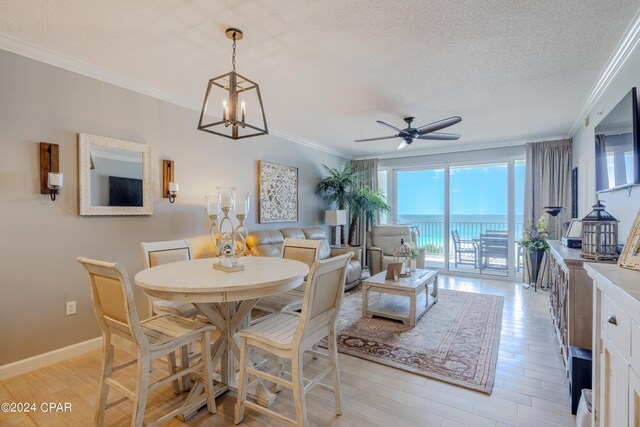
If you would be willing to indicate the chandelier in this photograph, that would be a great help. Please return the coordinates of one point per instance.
(237, 98)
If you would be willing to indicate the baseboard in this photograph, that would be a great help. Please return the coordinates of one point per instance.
(51, 357)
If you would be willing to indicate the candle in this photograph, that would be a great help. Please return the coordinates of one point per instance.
(243, 111)
(225, 201)
(173, 187)
(242, 207)
(225, 110)
(213, 208)
(54, 179)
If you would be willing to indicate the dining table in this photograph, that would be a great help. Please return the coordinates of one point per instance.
(226, 300)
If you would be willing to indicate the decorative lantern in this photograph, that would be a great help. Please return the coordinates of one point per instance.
(599, 235)
(402, 254)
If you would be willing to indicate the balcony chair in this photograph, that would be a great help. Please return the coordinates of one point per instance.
(150, 339)
(493, 251)
(288, 336)
(303, 250)
(382, 240)
(465, 251)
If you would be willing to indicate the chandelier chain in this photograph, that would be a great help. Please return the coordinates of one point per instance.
(233, 61)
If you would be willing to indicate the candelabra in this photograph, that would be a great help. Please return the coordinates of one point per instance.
(226, 236)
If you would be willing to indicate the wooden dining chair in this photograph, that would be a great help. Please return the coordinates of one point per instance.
(150, 339)
(289, 335)
(158, 253)
(303, 250)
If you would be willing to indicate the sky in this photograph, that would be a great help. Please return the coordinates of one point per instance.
(478, 190)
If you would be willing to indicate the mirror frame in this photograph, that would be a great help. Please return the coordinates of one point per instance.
(85, 142)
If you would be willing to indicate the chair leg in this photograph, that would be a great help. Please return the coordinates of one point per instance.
(107, 370)
(173, 368)
(297, 379)
(184, 362)
(142, 390)
(208, 372)
(333, 359)
(282, 362)
(242, 383)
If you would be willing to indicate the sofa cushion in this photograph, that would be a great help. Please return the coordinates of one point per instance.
(292, 233)
(265, 243)
(201, 247)
(317, 233)
(388, 237)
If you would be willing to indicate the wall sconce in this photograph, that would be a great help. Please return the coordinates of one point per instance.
(50, 175)
(169, 187)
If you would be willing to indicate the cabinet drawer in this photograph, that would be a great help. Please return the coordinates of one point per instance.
(635, 346)
(617, 325)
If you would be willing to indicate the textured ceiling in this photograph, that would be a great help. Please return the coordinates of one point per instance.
(513, 70)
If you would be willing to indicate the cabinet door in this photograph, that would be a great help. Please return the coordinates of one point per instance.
(634, 399)
(614, 383)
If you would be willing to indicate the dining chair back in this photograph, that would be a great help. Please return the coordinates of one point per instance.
(303, 250)
(289, 336)
(113, 300)
(163, 252)
(153, 338)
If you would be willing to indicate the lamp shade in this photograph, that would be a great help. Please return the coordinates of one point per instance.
(335, 218)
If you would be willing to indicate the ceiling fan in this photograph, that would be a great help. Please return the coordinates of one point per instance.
(409, 134)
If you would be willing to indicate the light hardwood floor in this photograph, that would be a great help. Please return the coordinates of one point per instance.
(531, 388)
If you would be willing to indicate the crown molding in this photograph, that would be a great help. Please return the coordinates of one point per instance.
(619, 57)
(56, 59)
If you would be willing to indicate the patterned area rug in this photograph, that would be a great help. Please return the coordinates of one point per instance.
(456, 341)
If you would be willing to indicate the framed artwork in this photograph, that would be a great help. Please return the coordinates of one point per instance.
(278, 189)
(630, 257)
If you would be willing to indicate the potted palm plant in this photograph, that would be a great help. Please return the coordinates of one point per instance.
(366, 203)
(336, 187)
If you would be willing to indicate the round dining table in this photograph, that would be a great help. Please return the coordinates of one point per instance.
(226, 300)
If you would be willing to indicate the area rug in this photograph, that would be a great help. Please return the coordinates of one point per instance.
(456, 341)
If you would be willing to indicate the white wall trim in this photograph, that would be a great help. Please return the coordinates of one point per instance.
(626, 46)
(49, 358)
(42, 54)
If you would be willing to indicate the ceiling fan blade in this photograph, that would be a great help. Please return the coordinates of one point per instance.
(440, 136)
(402, 145)
(440, 124)
(376, 139)
(400, 131)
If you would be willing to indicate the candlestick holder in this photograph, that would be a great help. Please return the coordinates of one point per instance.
(225, 235)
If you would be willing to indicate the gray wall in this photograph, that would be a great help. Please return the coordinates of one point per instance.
(622, 204)
(41, 238)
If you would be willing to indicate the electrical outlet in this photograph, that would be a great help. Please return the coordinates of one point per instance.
(71, 308)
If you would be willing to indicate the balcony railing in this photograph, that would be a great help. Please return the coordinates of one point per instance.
(431, 234)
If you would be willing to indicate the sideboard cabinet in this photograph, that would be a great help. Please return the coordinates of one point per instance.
(571, 297)
(616, 338)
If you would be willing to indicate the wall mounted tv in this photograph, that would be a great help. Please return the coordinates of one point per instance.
(618, 146)
(125, 191)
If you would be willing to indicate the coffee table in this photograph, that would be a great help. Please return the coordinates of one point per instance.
(406, 300)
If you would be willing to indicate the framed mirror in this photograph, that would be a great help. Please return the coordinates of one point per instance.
(115, 176)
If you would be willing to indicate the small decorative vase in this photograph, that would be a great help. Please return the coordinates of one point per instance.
(414, 265)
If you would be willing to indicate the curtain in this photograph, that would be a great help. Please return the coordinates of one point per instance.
(547, 183)
(602, 176)
(368, 168)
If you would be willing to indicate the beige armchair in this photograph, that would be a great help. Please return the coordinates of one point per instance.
(381, 241)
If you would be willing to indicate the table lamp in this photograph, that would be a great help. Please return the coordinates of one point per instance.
(336, 218)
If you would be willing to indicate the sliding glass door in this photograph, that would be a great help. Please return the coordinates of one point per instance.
(478, 219)
(468, 217)
(420, 203)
